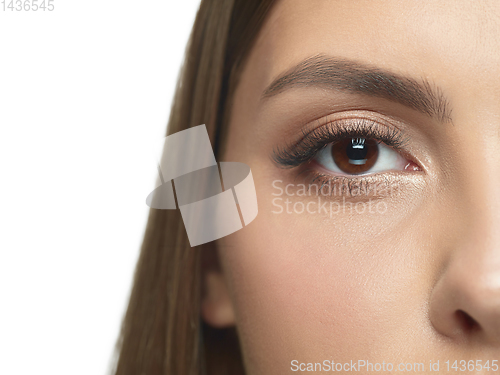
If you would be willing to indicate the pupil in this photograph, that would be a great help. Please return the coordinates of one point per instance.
(355, 155)
(356, 151)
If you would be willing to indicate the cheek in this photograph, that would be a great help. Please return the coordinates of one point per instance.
(299, 283)
(308, 287)
(273, 269)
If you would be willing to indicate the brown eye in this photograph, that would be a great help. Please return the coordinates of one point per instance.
(358, 156)
(355, 155)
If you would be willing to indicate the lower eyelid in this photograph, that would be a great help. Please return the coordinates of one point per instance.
(354, 188)
(357, 188)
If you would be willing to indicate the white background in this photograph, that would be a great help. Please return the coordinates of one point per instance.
(84, 90)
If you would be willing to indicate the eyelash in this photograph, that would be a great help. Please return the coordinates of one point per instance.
(311, 143)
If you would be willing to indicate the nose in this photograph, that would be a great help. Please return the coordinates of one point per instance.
(465, 300)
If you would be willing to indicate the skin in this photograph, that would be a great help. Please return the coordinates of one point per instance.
(381, 287)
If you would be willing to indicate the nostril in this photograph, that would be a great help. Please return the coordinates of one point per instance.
(467, 322)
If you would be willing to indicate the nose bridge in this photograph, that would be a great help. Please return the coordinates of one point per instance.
(480, 177)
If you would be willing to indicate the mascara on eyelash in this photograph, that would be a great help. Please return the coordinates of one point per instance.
(313, 142)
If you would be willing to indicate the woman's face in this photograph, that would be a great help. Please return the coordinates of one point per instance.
(393, 109)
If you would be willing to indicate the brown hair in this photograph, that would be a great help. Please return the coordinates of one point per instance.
(162, 332)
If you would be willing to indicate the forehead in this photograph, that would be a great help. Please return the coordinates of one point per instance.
(449, 42)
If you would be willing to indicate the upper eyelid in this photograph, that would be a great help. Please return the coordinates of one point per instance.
(366, 119)
(361, 126)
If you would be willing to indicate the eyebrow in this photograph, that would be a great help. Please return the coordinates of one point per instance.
(352, 76)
